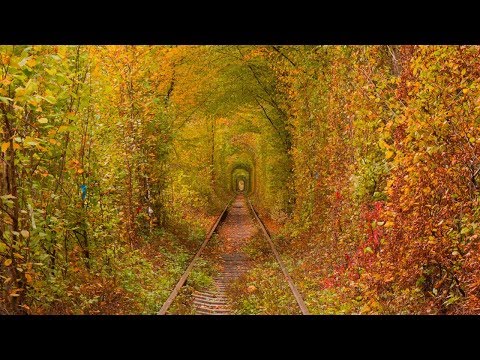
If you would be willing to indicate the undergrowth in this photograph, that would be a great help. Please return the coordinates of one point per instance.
(262, 290)
(135, 280)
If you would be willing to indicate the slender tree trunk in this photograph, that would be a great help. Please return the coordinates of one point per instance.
(212, 160)
(11, 188)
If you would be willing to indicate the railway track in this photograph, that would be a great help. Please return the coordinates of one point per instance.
(215, 301)
(232, 261)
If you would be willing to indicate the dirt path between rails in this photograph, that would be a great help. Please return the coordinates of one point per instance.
(237, 272)
(235, 233)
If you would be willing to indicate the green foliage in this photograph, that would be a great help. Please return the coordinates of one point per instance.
(263, 290)
(116, 160)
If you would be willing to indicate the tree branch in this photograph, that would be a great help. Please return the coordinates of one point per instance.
(285, 56)
(270, 120)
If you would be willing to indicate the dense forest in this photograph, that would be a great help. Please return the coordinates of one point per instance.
(364, 162)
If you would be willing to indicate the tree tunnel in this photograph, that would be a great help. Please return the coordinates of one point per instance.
(242, 178)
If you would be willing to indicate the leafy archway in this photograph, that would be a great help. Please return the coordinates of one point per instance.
(244, 172)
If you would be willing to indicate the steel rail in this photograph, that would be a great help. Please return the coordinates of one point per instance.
(184, 277)
(296, 293)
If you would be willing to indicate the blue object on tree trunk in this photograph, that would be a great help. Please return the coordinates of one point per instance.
(84, 191)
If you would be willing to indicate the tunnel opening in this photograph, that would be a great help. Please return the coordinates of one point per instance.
(241, 179)
(240, 184)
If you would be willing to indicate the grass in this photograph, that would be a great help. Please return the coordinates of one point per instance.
(263, 289)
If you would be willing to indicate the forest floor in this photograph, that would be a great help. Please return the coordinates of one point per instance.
(243, 275)
(306, 263)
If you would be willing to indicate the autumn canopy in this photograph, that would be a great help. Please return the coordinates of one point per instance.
(363, 161)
